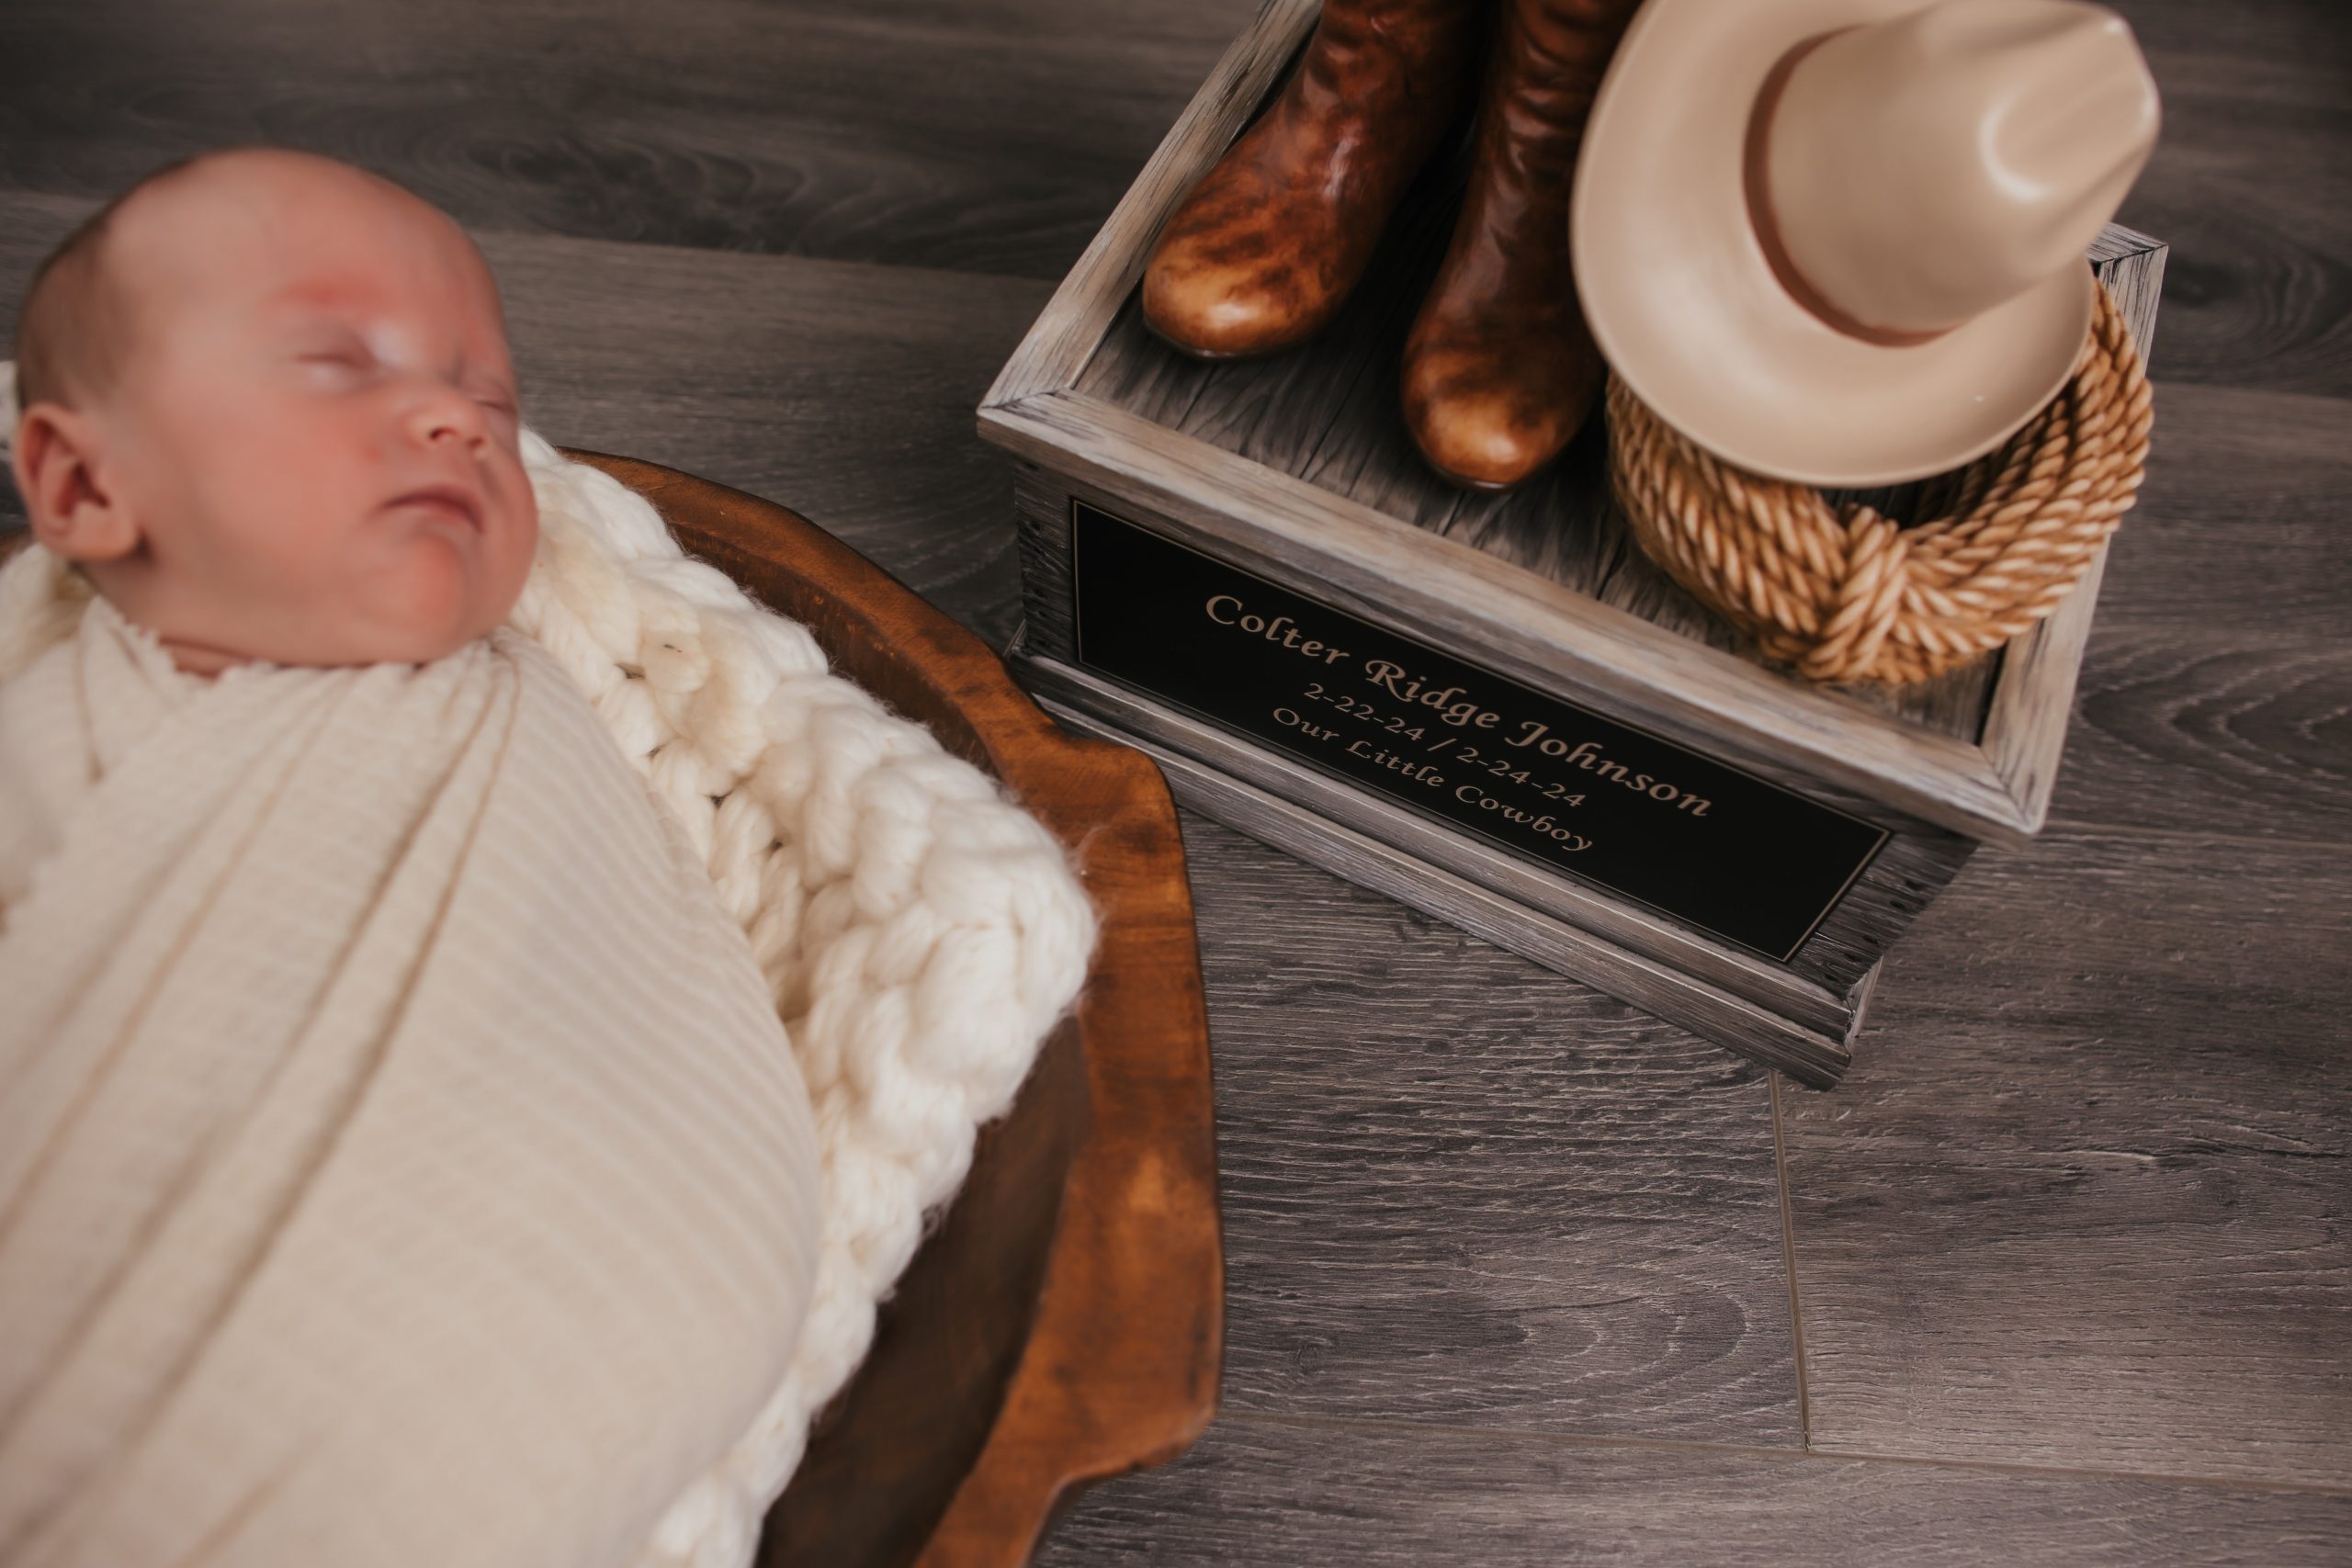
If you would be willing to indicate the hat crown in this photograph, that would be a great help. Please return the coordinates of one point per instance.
(1921, 170)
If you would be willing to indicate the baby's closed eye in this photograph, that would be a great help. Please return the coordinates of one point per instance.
(342, 354)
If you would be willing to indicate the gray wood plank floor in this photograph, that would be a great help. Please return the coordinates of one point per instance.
(1537, 1209)
(1275, 1493)
(2060, 1275)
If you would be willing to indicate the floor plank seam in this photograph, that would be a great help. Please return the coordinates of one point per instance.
(1789, 1454)
(2088, 830)
(1789, 1259)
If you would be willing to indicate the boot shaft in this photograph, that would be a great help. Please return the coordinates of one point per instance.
(1427, 49)
(1547, 68)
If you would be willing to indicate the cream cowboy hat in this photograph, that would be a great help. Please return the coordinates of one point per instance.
(1840, 241)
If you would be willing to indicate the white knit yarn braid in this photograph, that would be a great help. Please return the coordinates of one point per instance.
(922, 933)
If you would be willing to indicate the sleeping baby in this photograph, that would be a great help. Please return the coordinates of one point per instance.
(402, 1160)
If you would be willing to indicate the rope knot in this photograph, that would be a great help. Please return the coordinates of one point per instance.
(1862, 603)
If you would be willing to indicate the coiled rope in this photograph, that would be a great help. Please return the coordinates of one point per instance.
(1847, 594)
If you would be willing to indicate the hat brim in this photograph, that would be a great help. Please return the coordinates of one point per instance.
(1686, 309)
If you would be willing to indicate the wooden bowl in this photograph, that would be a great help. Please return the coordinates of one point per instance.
(1066, 1321)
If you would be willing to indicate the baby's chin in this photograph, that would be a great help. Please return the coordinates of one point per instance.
(428, 623)
(435, 597)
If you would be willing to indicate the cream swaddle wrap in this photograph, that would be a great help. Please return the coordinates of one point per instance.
(918, 933)
(371, 1041)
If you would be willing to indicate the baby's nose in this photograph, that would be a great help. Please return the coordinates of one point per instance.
(446, 413)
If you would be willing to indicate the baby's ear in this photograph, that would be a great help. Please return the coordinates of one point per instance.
(75, 512)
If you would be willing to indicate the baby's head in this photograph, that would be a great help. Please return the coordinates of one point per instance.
(268, 408)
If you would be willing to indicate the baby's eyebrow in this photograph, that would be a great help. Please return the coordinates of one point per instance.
(293, 316)
(311, 297)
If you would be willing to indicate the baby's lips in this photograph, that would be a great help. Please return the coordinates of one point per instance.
(452, 497)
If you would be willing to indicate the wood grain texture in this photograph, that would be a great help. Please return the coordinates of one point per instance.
(1281, 1493)
(846, 387)
(2086, 1197)
(2241, 526)
(2250, 182)
(988, 136)
(2213, 731)
(1458, 1188)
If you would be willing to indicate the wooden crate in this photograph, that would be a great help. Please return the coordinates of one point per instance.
(1246, 571)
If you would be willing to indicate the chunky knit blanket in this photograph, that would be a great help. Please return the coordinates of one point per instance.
(922, 934)
(919, 933)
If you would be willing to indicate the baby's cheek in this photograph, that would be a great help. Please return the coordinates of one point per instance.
(292, 477)
(516, 547)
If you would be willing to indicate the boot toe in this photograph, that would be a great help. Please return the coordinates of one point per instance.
(1487, 411)
(1484, 438)
(1223, 311)
(1486, 454)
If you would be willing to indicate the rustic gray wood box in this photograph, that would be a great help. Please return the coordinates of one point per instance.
(1788, 833)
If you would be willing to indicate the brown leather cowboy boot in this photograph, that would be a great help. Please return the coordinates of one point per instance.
(1500, 370)
(1266, 246)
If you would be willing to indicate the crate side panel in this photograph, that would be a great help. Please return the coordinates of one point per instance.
(1812, 1054)
(1041, 511)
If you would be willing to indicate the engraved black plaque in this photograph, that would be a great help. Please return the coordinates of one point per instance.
(1645, 818)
